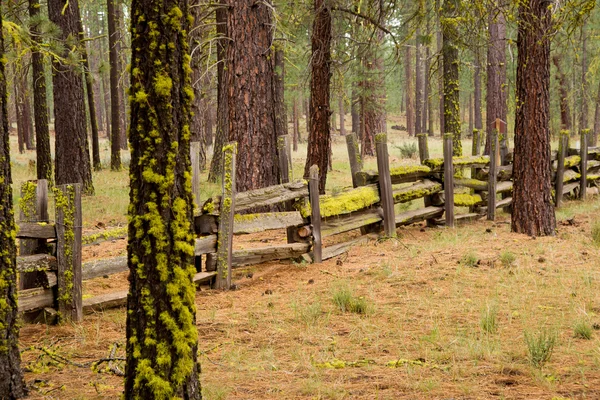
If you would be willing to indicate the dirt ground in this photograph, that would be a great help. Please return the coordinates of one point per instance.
(427, 299)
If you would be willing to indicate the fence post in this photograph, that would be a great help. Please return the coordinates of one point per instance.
(584, 163)
(423, 147)
(563, 146)
(354, 156)
(385, 185)
(315, 217)
(283, 154)
(68, 251)
(33, 208)
(448, 180)
(475, 146)
(493, 176)
(226, 213)
(195, 158)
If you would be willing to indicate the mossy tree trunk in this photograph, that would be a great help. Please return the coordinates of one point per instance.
(40, 106)
(162, 340)
(115, 94)
(418, 84)
(222, 131)
(496, 100)
(12, 385)
(72, 148)
(320, 81)
(533, 209)
(449, 21)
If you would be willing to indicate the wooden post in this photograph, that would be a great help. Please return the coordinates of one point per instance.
(68, 251)
(354, 156)
(315, 217)
(423, 147)
(493, 176)
(195, 158)
(283, 154)
(385, 184)
(225, 235)
(584, 163)
(476, 139)
(448, 180)
(33, 208)
(503, 140)
(563, 146)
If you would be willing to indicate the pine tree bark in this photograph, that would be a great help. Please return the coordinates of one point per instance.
(222, 132)
(296, 125)
(478, 122)
(440, 40)
(250, 92)
(596, 119)
(22, 109)
(72, 148)
(355, 111)
(200, 82)
(496, 100)
(12, 385)
(281, 126)
(533, 209)
(123, 76)
(320, 80)
(115, 91)
(428, 101)
(563, 89)
(410, 94)
(451, 74)
(89, 86)
(583, 117)
(162, 339)
(40, 106)
(342, 115)
(418, 85)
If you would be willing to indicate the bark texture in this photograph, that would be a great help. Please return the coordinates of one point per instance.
(115, 92)
(162, 339)
(563, 90)
(320, 80)
(72, 164)
(451, 74)
(410, 95)
(533, 209)
(12, 385)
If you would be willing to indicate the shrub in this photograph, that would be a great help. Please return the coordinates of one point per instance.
(583, 330)
(540, 347)
(408, 150)
(345, 301)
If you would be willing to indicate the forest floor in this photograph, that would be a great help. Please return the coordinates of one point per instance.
(435, 314)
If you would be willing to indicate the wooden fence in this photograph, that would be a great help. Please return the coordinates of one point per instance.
(296, 208)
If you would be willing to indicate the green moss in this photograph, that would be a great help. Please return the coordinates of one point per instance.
(437, 164)
(593, 177)
(407, 194)
(65, 202)
(410, 170)
(572, 161)
(105, 235)
(163, 85)
(27, 204)
(340, 364)
(467, 200)
(343, 203)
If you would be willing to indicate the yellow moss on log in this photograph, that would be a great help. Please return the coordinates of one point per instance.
(467, 200)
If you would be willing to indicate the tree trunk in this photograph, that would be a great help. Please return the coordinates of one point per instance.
(342, 115)
(451, 74)
(296, 124)
(584, 119)
(72, 148)
(12, 385)
(124, 77)
(200, 82)
(410, 93)
(115, 93)
(418, 85)
(162, 339)
(21, 108)
(40, 107)
(533, 209)
(471, 117)
(496, 105)
(89, 86)
(281, 126)
(565, 110)
(428, 118)
(320, 80)
(478, 123)
(250, 92)
(106, 93)
(440, 58)
(355, 111)
(596, 119)
(222, 133)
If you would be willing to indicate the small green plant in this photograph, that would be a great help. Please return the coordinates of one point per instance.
(470, 259)
(596, 234)
(540, 347)
(345, 301)
(508, 259)
(308, 314)
(489, 319)
(583, 330)
(408, 150)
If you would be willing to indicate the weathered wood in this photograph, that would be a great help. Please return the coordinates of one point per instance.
(471, 183)
(205, 245)
(304, 231)
(569, 162)
(108, 266)
(253, 223)
(570, 175)
(227, 210)
(492, 176)
(560, 171)
(423, 147)
(476, 144)
(259, 198)
(206, 224)
(504, 173)
(195, 161)
(448, 180)
(36, 262)
(260, 255)
(35, 299)
(68, 251)
(335, 225)
(437, 164)
(284, 159)
(315, 218)
(416, 191)
(427, 213)
(583, 166)
(501, 128)
(36, 231)
(33, 207)
(569, 187)
(404, 174)
(341, 248)
(504, 187)
(504, 202)
(354, 157)
(385, 185)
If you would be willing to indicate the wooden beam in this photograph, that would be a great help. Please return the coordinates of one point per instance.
(227, 210)
(448, 180)
(30, 230)
(385, 185)
(108, 266)
(335, 225)
(36, 262)
(253, 223)
(206, 245)
(560, 171)
(260, 255)
(315, 218)
(35, 299)
(195, 160)
(492, 176)
(427, 213)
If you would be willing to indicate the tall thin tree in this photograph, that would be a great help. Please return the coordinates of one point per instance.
(450, 10)
(115, 95)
